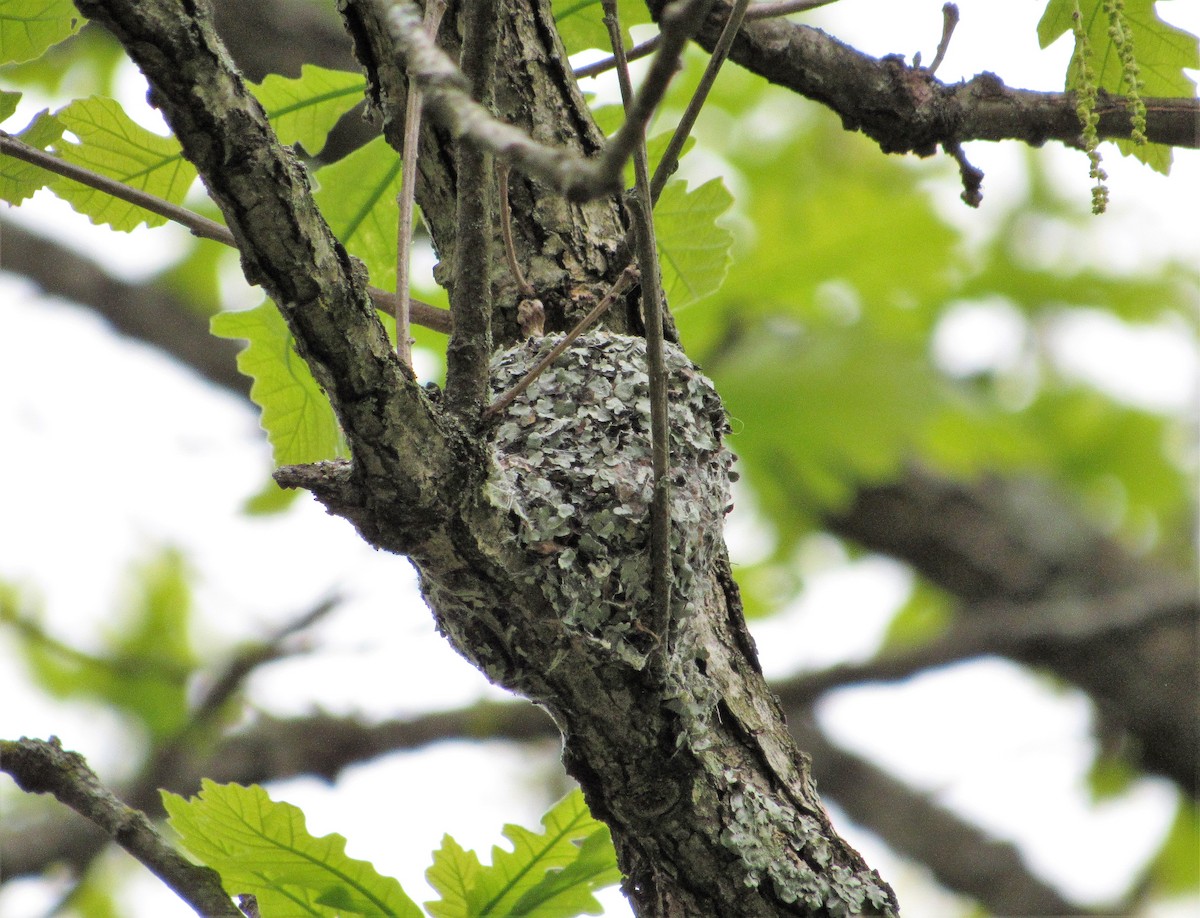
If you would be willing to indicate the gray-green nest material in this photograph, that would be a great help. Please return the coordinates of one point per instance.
(572, 465)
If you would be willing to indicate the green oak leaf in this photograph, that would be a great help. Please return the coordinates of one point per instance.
(111, 144)
(693, 247)
(263, 848)
(358, 198)
(29, 27)
(548, 874)
(304, 109)
(296, 414)
(19, 179)
(581, 22)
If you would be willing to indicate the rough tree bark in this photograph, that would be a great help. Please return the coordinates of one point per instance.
(674, 737)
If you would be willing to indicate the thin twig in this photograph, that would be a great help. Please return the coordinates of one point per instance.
(755, 12)
(641, 208)
(949, 21)
(434, 10)
(422, 313)
(579, 179)
(41, 767)
(628, 276)
(470, 344)
(670, 158)
(510, 250)
(199, 225)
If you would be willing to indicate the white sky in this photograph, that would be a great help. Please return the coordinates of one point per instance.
(110, 450)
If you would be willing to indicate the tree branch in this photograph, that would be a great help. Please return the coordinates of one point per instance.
(577, 178)
(197, 224)
(1014, 541)
(906, 109)
(470, 346)
(41, 767)
(287, 247)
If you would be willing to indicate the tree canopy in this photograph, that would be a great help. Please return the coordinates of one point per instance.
(898, 379)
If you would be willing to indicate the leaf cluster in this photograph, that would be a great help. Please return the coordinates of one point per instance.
(263, 849)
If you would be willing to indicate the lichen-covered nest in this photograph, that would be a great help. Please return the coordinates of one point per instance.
(572, 463)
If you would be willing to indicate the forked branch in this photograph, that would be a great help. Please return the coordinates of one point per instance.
(449, 100)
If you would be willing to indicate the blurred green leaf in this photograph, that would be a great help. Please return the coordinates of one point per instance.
(29, 27)
(693, 247)
(263, 848)
(581, 22)
(926, 614)
(296, 414)
(147, 656)
(1176, 867)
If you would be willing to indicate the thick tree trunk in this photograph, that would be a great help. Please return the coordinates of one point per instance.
(530, 535)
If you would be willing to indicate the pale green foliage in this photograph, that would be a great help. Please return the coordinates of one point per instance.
(303, 110)
(29, 27)
(296, 415)
(547, 874)
(145, 658)
(262, 848)
(19, 180)
(693, 248)
(1162, 52)
(581, 22)
(112, 144)
(357, 195)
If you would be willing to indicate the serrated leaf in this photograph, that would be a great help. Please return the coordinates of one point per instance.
(19, 179)
(263, 848)
(693, 248)
(111, 144)
(296, 414)
(29, 27)
(1162, 51)
(567, 892)
(581, 22)
(529, 880)
(304, 109)
(358, 198)
(453, 874)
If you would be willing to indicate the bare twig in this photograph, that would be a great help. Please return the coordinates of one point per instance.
(510, 250)
(471, 305)
(41, 767)
(972, 176)
(199, 225)
(641, 208)
(628, 276)
(579, 179)
(949, 21)
(434, 10)
(755, 12)
(422, 313)
(670, 158)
